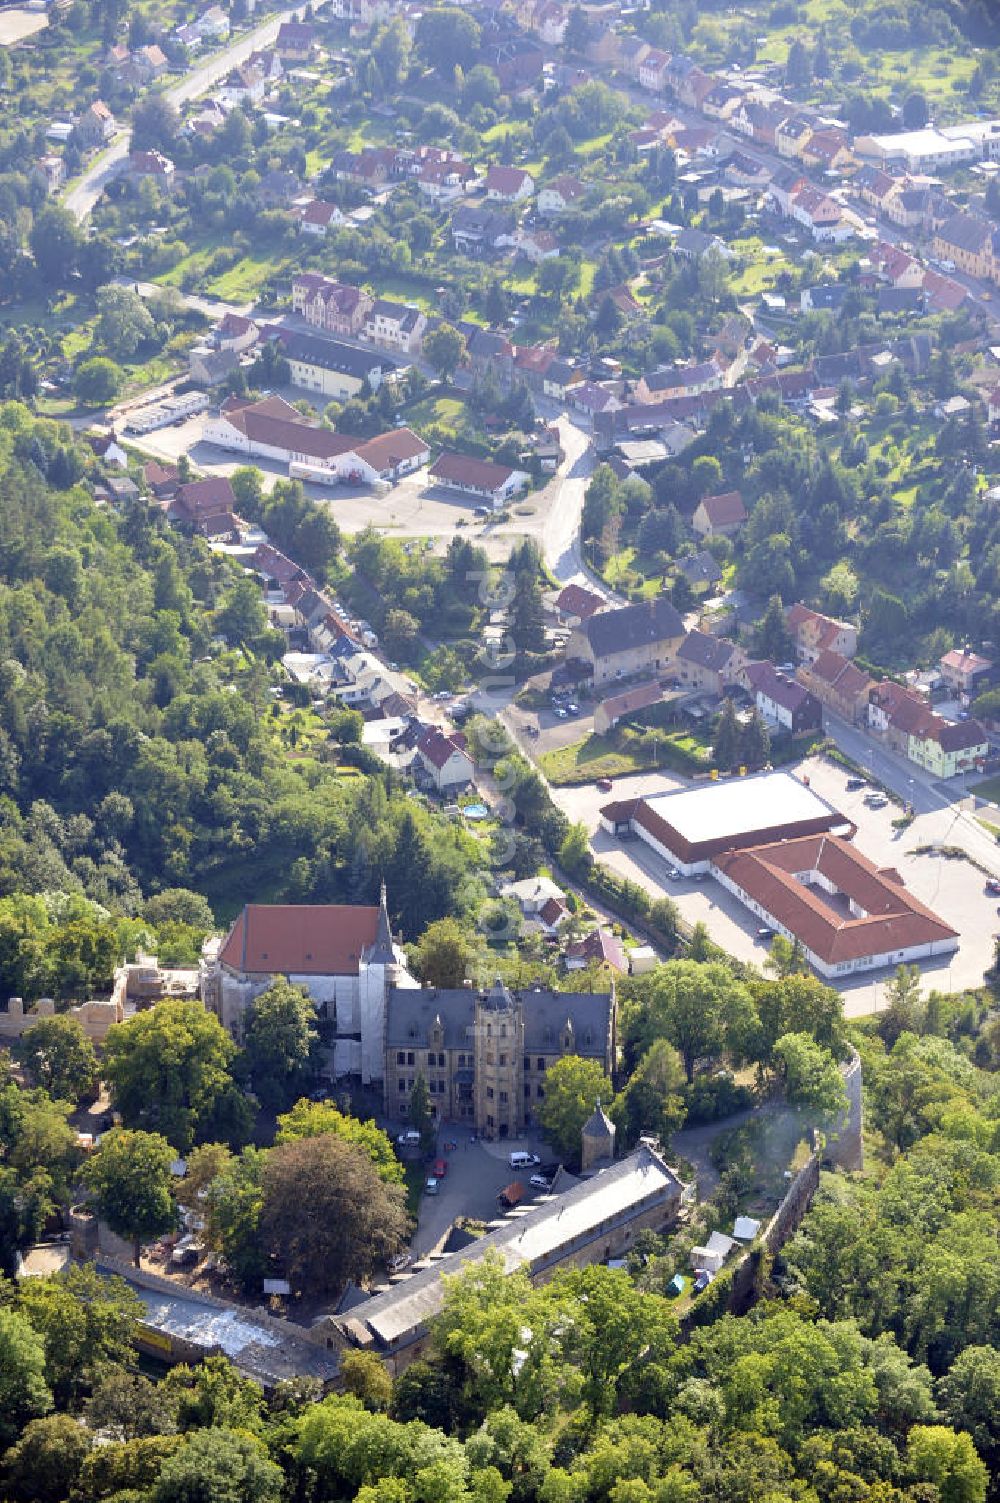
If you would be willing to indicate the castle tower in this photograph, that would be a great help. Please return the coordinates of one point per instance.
(381, 966)
(597, 1148)
(499, 1046)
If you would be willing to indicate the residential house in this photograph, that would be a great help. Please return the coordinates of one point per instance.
(828, 150)
(532, 894)
(814, 633)
(235, 332)
(245, 84)
(653, 70)
(96, 125)
(560, 378)
(370, 168)
(395, 326)
(535, 245)
(782, 188)
(722, 101)
(681, 381)
(562, 194)
(825, 299)
(609, 712)
(821, 215)
(334, 307)
(947, 749)
(896, 266)
(329, 367)
(509, 185)
(943, 294)
(151, 164)
(699, 569)
(896, 713)
(443, 182)
(966, 672)
(723, 514)
(838, 684)
(575, 604)
(477, 230)
(708, 664)
(631, 640)
(210, 367)
(783, 701)
(107, 448)
(490, 355)
(51, 172)
(296, 41)
(792, 136)
(162, 480)
(693, 244)
(481, 478)
(604, 47)
(443, 759)
(278, 188)
(632, 53)
(599, 947)
(213, 24)
(207, 507)
(971, 243)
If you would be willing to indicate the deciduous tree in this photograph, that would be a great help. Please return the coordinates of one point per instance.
(572, 1088)
(130, 1176)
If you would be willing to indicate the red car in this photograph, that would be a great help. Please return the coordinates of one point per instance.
(440, 1168)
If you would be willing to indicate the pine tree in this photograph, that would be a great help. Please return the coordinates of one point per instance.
(755, 742)
(727, 737)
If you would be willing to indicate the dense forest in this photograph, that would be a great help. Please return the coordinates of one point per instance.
(141, 747)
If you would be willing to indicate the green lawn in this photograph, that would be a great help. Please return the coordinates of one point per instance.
(585, 761)
(989, 789)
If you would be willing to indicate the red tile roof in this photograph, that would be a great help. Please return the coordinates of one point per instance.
(435, 747)
(724, 510)
(506, 179)
(391, 449)
(601, 948)
(574, 600)
(892, 920)
(321, 939)
(463, 470)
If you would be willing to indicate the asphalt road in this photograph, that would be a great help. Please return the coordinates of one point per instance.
(84, 193)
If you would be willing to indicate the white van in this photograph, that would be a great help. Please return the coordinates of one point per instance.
(523, 1160)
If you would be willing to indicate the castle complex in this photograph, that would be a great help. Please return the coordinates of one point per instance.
(484, 1055)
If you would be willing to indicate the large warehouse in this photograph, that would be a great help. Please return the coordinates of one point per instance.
(688, 827)
(846, 913)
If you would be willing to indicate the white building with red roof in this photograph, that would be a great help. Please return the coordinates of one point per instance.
(509, 185)
(344, 956)
(723, 514)
(443, 760)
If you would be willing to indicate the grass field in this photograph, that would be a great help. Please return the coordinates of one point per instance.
(584, 761)
(989, 788)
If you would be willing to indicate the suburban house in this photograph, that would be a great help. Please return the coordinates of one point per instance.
(723, 514)
(965, 671)
(317, 217)
(599, 947)
(609, 712)
(444, 181)
(535, 245)
(533, 895)
(96, 125)
(575, 603)
(476, 229)
(509, 185)
(395, 326)
(151, 164)
(708, 664)
(633, 639)
(839, 684)
(783, 701)
(653, 70)
(296, 41)
(560, 195)
(205, 506)
(443, 760)
(814, 633)
(209, 366)
(330, 368)
(494, 483)
(971, 243)
(235, 332)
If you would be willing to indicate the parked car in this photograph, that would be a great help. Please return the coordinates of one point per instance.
(440, 1168)
(540, 1181)
(673, 874)
(605, 785)
(573, 708)
(993, 887)
(764, 932)
(431, 1185)
(409, 1139)
(854, 785)
(521, 1160)
(702, 1281)
(876, 800)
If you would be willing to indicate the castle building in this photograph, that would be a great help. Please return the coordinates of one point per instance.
(485, 1054)
(345, 957)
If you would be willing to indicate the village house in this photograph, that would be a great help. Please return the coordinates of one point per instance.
(598, 948)
(708, 664)
(330, 368)
(477, 230)
(96, 125)
(966, 672)
(481, 478)
(443, 760)
(235, 332)
(207, 507)
(631, 640)
(653, 70)
(152, 164)
(632, 53)
(681, 381)
(972, 244)
(783, 701)
(838, 684)
(575, 603)
(442, 182)
(721, 515)
(209, 366)
(814, 633)
(949, 748)
(535, 246)
(296, 42)
(509, 185)
(334, 307)
(395, 326)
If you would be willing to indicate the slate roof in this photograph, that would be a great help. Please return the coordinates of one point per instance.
(410, 1016)
(633, 626)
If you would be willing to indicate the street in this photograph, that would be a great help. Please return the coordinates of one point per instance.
(82, 195)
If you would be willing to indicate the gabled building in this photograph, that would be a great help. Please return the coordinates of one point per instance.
(443, 760)
(839, 684)
(784, 701)
(317, 217)
(966, 672)
(707, 663)
(96, 125)
(495, 484)
(721, 515)
(631, 640)
(814, 633)
(335, 307)
(395, 326)
(509, 185)
(560, 195)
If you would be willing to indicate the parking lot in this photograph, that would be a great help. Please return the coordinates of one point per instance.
(477, 1172)
(953, 889)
